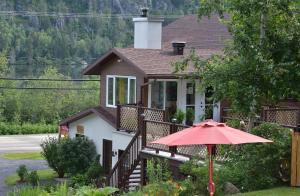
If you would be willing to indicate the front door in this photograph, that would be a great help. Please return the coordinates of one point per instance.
(107, 155)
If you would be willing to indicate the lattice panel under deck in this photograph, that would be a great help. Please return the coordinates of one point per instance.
(156, 131)
(129, 118)
(154, 115)
(283, 117)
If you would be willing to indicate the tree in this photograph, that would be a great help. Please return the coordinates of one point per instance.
(261, 65)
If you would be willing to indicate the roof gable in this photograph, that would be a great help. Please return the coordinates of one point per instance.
(96, 67)
(99, 111)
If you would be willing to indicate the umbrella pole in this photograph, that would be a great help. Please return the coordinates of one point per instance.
(211, 184)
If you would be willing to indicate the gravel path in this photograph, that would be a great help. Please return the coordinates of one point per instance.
(8, 167)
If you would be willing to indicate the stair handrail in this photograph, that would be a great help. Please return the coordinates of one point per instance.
(123, 156)
(127, 149)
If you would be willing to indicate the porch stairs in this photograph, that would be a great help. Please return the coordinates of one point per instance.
(134, 180)
(126, 174)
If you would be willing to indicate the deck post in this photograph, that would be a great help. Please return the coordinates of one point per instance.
(118, 117)
(173, 129)
(143, 171)
(295, 162)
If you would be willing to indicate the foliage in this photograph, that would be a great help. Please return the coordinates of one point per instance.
(93, 176)
(44, 174)
(197, 178)
(158, 171)
(79, 180)
(51, 154)
(159, 181)
(68, 155)
(260, 166)
(235, 123)
(27, 107)
(33, 178)
(12, 128)
(76, 154)
(28, 191)
(22, 172)
(179, 116)
(64, 190)
(95, 172)
(164, 188)
(88, 191)
(261, 63)
(40, 39)
(190, 116)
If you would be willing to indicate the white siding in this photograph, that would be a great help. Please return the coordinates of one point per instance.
(120, 142)
(97, 129)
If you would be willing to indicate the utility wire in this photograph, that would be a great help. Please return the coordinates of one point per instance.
(48, 88)
(78, 15)
(52, 79)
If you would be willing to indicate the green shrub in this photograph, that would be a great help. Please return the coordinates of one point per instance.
(77, 154)
(179, 116)
(79, 180)
(7, 128)
(22, 172)
(51, 154)
(95, 173)
(73, 156)
(64, 190)
(260, 166)
(166, 188)
(197, 178)
(157, 171)
(28, 191)
(190, 116)
(235, 123)
(33, 178)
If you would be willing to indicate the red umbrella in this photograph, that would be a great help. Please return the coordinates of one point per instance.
(209, 133)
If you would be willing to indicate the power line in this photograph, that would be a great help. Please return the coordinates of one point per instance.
(49, 88)
(52, 79)
(79, 15)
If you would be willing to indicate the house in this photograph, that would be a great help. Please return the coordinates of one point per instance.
(141, 80)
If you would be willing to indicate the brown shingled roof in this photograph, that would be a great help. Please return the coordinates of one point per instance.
(207, 33)
(159, 62)
(206, 36)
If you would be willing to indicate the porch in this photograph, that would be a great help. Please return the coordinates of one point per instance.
(180, 94)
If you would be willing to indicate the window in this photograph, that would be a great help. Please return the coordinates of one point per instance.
(120, 90)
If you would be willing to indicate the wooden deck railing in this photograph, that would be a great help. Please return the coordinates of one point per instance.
(286, 117)
(154, 130)
(127, 116)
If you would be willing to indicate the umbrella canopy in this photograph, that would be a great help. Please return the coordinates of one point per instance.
(209, 132)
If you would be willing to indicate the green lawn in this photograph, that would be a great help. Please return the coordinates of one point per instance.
(23, 155)
(44, 174)
(282, 191)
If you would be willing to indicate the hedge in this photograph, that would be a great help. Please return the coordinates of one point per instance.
(7, 128)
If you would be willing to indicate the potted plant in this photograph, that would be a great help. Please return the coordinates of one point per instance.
(189, 116)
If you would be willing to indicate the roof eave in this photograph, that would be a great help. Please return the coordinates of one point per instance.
(90, 70)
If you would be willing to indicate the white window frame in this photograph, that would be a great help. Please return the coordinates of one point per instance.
(114, 88)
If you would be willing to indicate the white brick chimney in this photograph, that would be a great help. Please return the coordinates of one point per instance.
(147, 31)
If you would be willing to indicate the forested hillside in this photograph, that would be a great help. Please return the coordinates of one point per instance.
(55, 39)
(69, 34)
